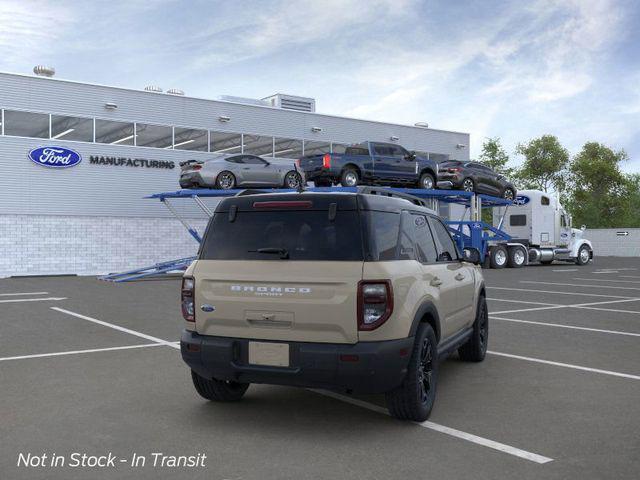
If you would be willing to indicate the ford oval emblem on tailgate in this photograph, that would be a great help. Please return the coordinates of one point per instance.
(55, 157)
(207, 308)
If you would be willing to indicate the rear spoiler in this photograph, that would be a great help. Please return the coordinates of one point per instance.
(189, 162)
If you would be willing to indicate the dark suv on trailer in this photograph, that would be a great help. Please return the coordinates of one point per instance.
(474, 177)
(354, 292)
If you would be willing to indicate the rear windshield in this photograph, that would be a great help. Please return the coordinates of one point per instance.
(302, 235)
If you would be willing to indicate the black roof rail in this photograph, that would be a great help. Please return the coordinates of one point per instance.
(386, 192)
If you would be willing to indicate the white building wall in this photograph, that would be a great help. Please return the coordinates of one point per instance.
(612, 242)
(55, 245)
(92, 219)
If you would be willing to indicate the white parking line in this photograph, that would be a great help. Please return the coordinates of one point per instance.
(566, 365)
(522, 301)
(118, 327)
(605, 280)
(581, 285)
(47, 299)
(469, 437)
(576, 305)
(27, 293)
(566, 270)
(76, 352)
(533, 309)
(573, 327)
(629, 276)
(558, 293)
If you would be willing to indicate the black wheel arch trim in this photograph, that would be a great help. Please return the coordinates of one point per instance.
(427, 309)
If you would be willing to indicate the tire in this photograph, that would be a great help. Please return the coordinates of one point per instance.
(218, 390)
(508, 194)
(468, 185)
(499, 256)
(349, 177)
(427, 181)
(584, 255)
(292, 180)
(225, 180)
(414, 398)
(517, 257)
(475, 349)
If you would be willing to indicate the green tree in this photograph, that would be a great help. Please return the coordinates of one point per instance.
(494, 156)
(545, 164)
(600, 194)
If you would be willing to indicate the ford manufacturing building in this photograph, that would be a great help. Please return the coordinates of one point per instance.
(91, 217)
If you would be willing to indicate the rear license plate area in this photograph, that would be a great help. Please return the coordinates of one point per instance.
(269, 354)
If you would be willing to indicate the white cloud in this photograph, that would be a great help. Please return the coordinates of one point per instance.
(30, 29)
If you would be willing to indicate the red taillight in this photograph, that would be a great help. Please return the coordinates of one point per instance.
(375, 303)
(188, 309)
(286, 204)
(196, 167)
(455, 170)
(326, 161)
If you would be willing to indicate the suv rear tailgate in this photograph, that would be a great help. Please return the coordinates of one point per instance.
(305, 301)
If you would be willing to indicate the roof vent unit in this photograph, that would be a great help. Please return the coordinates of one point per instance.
(175, 91)
(153, 88)
(43, 71)
(244, 100)
(291, 102)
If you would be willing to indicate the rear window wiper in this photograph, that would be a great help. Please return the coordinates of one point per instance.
(283, 252)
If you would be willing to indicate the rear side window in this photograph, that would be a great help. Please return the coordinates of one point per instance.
(444, 243)
(544, 201)
(425, 245)
(517, 220)
(384, 228)
(304, 235)
(357, 151)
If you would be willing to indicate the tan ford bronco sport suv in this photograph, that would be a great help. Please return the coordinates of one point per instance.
(357, 292)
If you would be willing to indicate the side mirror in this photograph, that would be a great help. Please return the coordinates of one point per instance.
(411, 156)
(471, 255)
(583, 228)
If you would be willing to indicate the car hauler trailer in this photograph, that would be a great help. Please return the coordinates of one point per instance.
(470, 234)
(541, 232)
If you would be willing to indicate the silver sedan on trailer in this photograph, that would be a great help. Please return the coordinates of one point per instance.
(241, 170)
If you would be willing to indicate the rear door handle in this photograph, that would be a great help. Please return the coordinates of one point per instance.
(459, 277)
(435, 282)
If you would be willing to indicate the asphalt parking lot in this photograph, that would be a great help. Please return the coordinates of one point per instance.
(89, 366)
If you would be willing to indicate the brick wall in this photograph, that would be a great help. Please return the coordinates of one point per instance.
(608, 241)
(50, 245)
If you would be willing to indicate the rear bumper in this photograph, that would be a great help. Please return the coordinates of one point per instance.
(380, 366)
(188, 180)
(320, 173)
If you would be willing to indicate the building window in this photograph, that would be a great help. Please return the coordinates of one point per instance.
(316, 148)
(26, 124)
(226, 142)
(257, 145)
(287, 148)
(71, 128)
(338, 148)
(115, 133)
(190, 139)
(157, 136)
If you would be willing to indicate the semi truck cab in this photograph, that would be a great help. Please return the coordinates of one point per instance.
(540, 226)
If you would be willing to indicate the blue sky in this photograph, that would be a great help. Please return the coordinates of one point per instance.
(515, 69)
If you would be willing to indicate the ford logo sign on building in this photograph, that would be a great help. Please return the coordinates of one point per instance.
(521, 200)
(55, 157)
